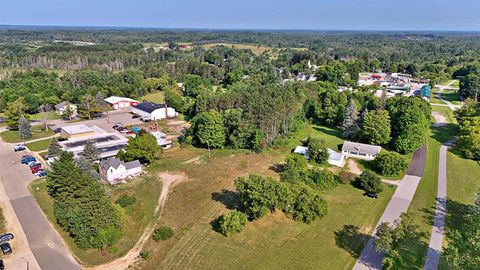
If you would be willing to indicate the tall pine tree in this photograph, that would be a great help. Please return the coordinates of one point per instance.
(24, 128)
(350, 121)
(90, 152)
(54, 149)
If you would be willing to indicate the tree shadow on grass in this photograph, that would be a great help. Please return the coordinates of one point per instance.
(443, 134)
(278, 168)
(229, 198)
(456, 213)
(351, 240)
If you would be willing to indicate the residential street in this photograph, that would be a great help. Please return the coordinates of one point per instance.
(399, 203)
(47, 247)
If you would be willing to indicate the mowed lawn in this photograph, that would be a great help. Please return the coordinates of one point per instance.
(273, 242)
(38, 132)
(156, 97)
(463, 181)
(39, 146)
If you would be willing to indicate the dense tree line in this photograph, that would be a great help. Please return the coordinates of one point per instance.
(469, 129)
(81, 206)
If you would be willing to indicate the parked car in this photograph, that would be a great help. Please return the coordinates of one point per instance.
(19, 147)
(36, 169)
(371, 195)
(6, 248)
(2, 265)
(124, 130)
(34, 164)
(145, 119)
(130, 132)
(135, 116)
(96, 115)
(57, 130)
(41, 173)
(6, 237)
(27, 159)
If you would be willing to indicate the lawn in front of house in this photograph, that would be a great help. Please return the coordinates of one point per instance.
(273, 242)
(39, 146)
(155, 97)
(38, 132)
(146, 189)
(51, 115)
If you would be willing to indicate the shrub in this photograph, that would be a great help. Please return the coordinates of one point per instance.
(370, 182)
(232, 222)
(144, 254)
(347, 177)
(125, 200)
(390, 163)
(323, 179)
(162, 233)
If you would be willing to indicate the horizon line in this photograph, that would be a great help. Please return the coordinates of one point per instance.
(101, 27)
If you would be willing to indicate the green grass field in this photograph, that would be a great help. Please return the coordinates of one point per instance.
(157, 97)
(52, 115)
(39, 146)
(135, 218)
(452, 96)
(13, 136)
(273, 242)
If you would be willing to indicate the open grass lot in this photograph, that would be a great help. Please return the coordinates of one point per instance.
(452, 96)
(38, 132)
(273, 242)
(50, 116)
(434, 98)
(135, 218)
(445, 111)
(256, 49)
(39, 146)
(157, 97)
(462, 182)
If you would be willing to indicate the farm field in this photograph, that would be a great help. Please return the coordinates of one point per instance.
(273, 242)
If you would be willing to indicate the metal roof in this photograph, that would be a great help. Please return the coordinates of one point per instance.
(361, 148)
(149, 106)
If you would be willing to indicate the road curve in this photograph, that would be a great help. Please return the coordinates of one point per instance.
(399, 203)
(48, 248)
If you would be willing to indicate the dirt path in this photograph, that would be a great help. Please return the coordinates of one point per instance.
(353, 166)
(168, 181)
(440, 119)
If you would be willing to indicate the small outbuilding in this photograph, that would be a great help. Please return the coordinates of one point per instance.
(120, 102)
(153, 111)
(360, 150)
(114, 171)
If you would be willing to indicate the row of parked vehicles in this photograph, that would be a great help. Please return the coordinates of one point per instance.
(120, 128)
(5, 247)
(34, 166)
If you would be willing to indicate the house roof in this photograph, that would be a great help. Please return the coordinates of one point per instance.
(332, 155)
(149, 106)
(115, 99)
(302, 150)
(78, 129)
(361, 147)
(116, 162)
(62, 105)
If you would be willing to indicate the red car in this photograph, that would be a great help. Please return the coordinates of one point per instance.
(36, 169)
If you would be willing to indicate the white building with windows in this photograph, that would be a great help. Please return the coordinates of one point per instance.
(114, 171)
(360, 150)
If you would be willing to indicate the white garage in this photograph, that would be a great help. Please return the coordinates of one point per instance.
(153, 111)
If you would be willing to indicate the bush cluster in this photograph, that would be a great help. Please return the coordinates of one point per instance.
(162, 233)
(125, 200)
(390, 163)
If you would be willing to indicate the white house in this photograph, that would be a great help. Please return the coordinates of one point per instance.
(334, 158)
(153, 111)
(114, 170)
(62, 106)
(360, 150)
(120, 102)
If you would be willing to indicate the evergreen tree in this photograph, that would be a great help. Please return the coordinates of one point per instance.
(24, 128)
(90, 152)
(350, 121)
(87, 167)
(54, 149)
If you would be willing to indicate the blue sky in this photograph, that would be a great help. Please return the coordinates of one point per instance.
(248, 14)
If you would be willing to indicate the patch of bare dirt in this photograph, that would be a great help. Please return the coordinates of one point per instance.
(353, 166)
(440, 119)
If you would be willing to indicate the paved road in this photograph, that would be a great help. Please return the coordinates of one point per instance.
(399, 203)
(46, 245)
(438, 229)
